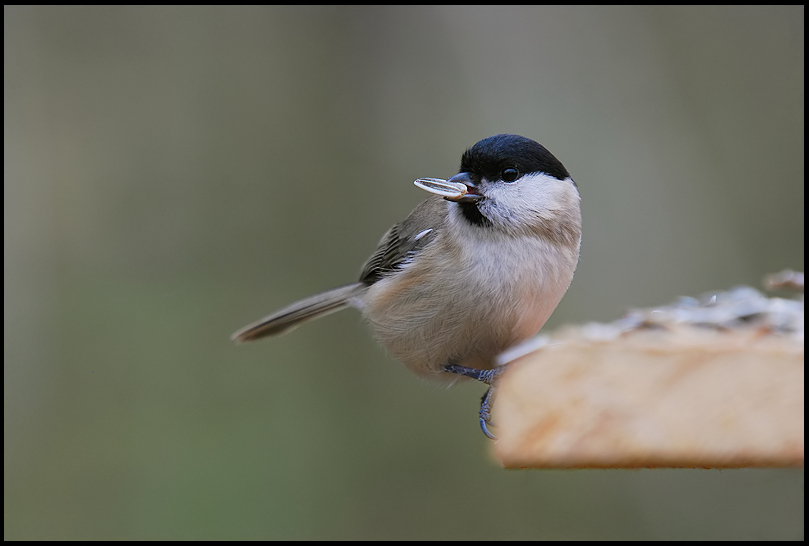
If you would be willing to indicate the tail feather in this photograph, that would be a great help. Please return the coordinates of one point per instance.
(299, 312)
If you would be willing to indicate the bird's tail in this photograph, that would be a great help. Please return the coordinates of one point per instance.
(299, 312)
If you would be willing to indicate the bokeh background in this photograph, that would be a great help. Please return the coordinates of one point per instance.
(172, 173)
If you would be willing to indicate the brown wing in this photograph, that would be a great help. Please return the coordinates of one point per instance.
(404, 240)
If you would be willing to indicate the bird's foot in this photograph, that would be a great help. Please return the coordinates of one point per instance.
(484, 376)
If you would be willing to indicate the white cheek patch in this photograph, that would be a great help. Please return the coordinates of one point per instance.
(532, 196)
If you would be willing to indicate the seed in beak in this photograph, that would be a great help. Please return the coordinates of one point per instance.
(448, 190)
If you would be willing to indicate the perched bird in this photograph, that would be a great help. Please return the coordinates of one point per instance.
(474, 269)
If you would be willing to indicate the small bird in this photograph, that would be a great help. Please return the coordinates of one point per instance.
(475, 268)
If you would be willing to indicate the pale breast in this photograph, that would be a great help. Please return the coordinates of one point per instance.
(482, 297)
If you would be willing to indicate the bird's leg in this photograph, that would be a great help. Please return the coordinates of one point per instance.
(484, 376)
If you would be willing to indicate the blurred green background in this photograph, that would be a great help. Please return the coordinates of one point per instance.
(172, 173)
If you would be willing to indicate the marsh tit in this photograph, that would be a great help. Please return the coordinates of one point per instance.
(475, 268)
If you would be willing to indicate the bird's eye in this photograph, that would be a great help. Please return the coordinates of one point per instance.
(509, 174)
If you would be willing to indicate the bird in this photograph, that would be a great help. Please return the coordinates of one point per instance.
(477, 267)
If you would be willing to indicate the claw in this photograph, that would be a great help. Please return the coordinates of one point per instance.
(484, 427)
(484, 376)
(485, 413)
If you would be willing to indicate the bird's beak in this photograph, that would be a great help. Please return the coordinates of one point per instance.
(472, 190)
